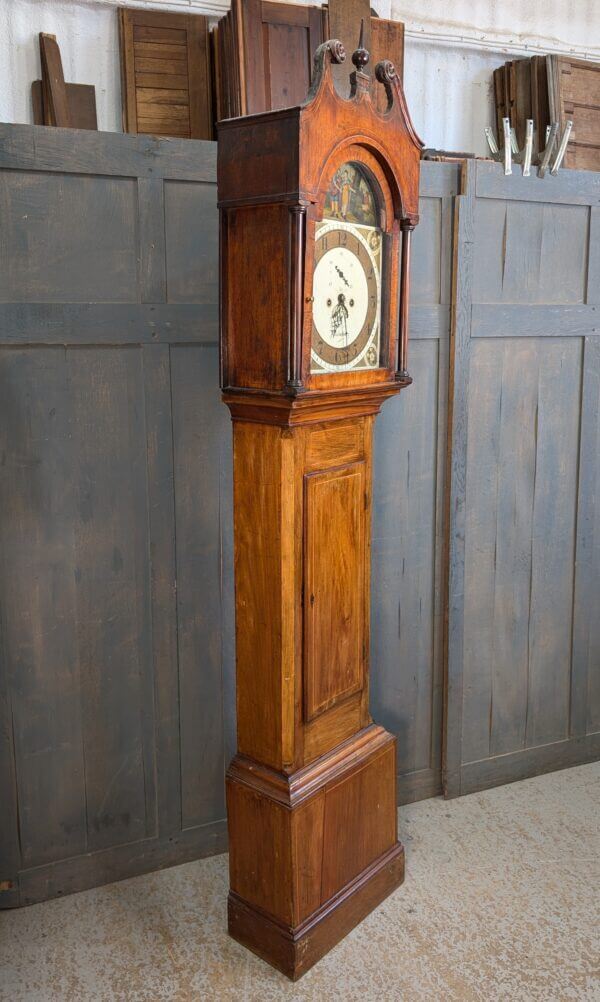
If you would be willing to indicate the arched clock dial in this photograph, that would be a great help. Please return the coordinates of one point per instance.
(346, 298)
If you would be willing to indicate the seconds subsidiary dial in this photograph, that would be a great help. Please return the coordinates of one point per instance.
(346, 298)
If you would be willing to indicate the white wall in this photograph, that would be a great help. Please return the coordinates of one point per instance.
(448, 62)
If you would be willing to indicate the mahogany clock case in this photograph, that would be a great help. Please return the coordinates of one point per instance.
(311, 792)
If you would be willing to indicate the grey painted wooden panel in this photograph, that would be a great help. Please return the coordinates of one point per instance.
(571, 187)
(530, 252)
(426, 252)
(458, 402)
(200, 436)
(428, 322)
(79, 151)
(111, 571)
(192, 243)
(408, 497)
(110, 566)
(585, 689)
(534, 321)
(520, 539)
(523, 655)
(406, 669)
(108, 323)
(67, 238)
(38, 602)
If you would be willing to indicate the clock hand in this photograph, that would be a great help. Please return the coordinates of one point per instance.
(342, 276)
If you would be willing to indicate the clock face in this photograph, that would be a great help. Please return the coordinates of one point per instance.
(346, 298)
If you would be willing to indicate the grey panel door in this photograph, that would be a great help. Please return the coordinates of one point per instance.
(117, 703)
(524, 586)
(115, 456)
(407, 666)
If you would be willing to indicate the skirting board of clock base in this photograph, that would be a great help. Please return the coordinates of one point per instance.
(313, 853)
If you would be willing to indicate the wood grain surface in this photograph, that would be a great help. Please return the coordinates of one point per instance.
(165, 73)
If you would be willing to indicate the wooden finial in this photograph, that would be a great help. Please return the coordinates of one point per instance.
(360, 57)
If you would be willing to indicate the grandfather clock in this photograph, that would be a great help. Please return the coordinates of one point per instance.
(317, 204)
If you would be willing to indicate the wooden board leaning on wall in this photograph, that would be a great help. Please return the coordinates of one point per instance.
(165, 74)
(552, 89)
(55, 102)
(574, 93)
(179, 80)
(263, 54)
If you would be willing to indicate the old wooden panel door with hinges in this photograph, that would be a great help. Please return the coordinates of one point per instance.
(317, 205)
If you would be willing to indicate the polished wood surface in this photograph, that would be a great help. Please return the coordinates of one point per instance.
(165, 73)
(311, 793)
(334, 613)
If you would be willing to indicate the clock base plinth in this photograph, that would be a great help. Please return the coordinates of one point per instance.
(312, 853)
(295, 951)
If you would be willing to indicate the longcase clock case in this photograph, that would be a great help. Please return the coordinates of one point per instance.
(311, 792)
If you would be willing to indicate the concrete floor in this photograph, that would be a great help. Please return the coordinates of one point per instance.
(501, 902)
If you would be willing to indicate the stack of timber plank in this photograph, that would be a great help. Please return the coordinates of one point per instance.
(552, 89)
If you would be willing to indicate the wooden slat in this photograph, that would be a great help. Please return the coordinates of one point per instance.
(577, 97)
(144, 33)
(535, 321)
(585, 684)
(164, 113)
(585, 694)
(174, 81)
(464, 231)
(580, 82)
(403, 571)
(163, 127)
(107, 323)
(27, 148)
(151, 209)
(200, 85)
(81, 99)
(160, 67)
(428, 322)
(574, 187)
(53, 80)
(161, 533)
(10, 851)
(192, 246)
(438, 180)
(103, 867)
(199, 424)
(64, 151)
(40, 661)
(344, 23)
(554, 518)
(163, 50)
(387, 42)
(408, 569)
(127, 66)
(160, 95)
(112, 625)
(529, 762)
(255, 91)
(483, 464)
